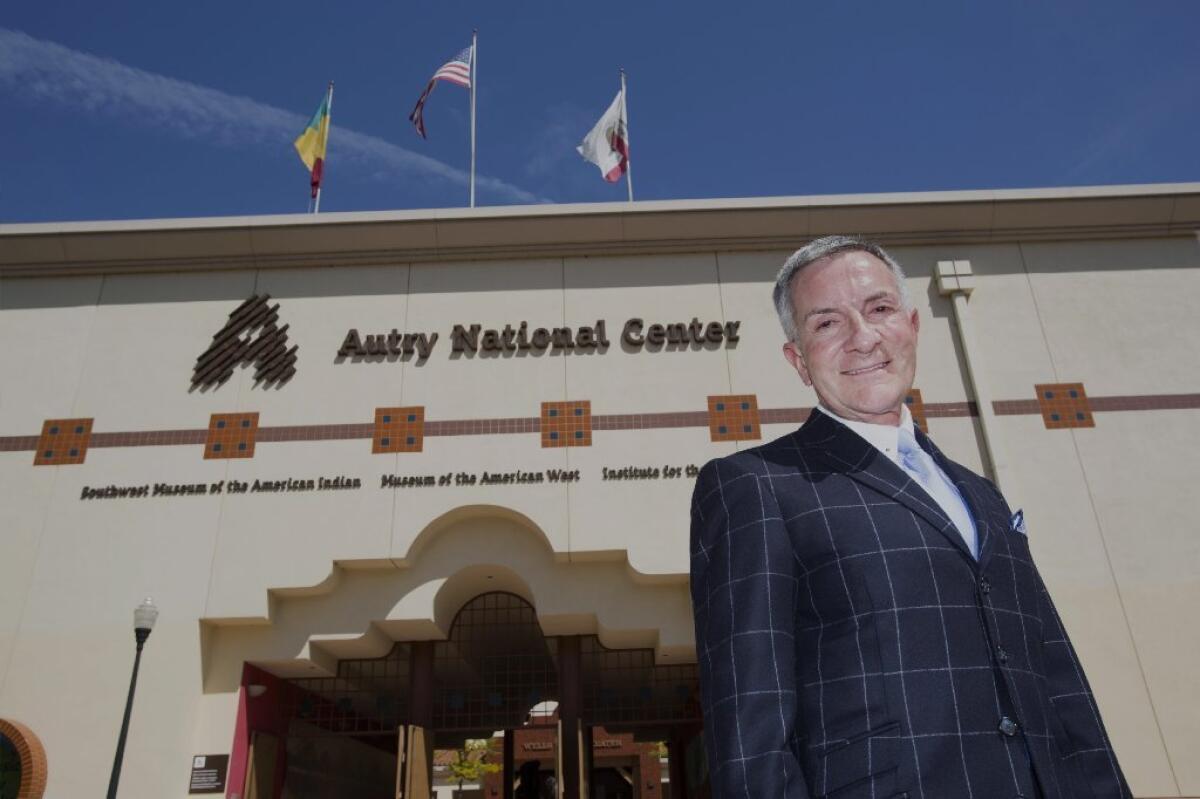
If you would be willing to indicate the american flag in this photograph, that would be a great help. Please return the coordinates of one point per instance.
(457, 71)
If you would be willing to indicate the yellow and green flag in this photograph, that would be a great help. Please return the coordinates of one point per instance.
(312, 142)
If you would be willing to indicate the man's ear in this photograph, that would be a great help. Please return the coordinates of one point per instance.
(915, 318)
(796, 358)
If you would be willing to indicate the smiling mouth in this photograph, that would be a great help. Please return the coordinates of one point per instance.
(866, 369)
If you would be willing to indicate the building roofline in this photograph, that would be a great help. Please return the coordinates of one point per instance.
(754, 223)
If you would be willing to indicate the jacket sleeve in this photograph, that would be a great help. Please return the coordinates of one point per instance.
(744, 586)
(1080, 733)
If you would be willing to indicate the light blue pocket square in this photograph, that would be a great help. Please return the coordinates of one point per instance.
(1017, 523)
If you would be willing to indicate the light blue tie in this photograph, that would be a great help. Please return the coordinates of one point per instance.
(922, 468)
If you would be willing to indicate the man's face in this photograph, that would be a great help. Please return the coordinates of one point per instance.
(858, 346)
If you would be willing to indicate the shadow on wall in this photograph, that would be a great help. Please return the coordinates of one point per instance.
(363, 608)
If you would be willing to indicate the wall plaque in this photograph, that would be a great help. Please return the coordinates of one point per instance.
(208, 774)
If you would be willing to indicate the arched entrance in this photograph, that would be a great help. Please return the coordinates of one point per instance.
(22, 762)
(563, 711)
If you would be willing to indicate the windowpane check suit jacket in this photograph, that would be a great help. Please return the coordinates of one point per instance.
(850, 646)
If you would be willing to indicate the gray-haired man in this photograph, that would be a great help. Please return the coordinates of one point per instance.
(869, 620)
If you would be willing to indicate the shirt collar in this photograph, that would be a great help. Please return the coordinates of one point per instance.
(884, 437)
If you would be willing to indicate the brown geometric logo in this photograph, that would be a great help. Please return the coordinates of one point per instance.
(1064, 405)
(916, 406)
(231, 435)
(733, 417)
(63, 441)
(567, 424)
(398, 429)
(268, 350)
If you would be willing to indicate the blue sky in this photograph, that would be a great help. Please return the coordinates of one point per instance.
(120, 110)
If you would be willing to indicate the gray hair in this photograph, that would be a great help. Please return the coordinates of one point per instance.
(814, 251)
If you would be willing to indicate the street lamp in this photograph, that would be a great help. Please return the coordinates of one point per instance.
(143, 622)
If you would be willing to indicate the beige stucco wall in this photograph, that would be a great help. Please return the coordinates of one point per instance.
(296, 580)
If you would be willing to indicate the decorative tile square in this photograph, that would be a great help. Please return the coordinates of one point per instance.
(734, 417)
(231, 435)
(399, 429)
(1064, 405)
(567, 424)
(63, 441)
(916, 406)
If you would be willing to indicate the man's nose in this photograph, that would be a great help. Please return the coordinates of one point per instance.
(863, 335)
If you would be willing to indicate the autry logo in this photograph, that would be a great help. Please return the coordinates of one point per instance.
(268, 350)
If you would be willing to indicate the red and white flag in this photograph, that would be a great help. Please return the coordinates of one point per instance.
(607, 145)
(457, 71)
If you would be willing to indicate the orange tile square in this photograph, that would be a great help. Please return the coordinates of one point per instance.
(399, 429)
(567, 424)
(63, 441)
(1064, 405)
(733, 417)
(231, 435)
(916, 406)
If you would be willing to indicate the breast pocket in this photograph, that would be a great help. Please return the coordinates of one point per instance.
(861, 766)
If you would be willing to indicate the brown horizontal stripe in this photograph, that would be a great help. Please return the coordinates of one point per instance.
(1017, 407)
(613, 421)
(784, 415)
(1146, 402)
(649, 421)
(476, 427)
(149, 438)
(949, 410)
(315, 432)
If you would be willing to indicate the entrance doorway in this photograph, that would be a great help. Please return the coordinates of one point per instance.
(599, 722)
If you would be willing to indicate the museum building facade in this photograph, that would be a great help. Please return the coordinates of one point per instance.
(400, 480)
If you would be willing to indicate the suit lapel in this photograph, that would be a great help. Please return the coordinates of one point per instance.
(846, 452)
(975, 493)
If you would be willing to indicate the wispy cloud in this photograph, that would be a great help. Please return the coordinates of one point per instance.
(1135, 120)
(51, 72)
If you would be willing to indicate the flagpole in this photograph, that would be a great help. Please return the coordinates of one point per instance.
(628, 147)
(474, 79)
(329, 114)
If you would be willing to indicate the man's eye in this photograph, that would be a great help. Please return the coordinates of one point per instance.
(883, 308)
(828, 323)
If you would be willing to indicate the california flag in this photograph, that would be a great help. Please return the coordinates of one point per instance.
(607, 145)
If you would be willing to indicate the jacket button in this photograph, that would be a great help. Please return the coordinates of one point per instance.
(1001, 654)
(985, 586)
(1008, 726)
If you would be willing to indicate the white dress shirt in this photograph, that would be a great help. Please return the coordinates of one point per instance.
(919, 465)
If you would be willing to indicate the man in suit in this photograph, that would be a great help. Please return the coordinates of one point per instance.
(869, 621)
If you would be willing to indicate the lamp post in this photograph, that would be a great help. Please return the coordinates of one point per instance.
(143, 622)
